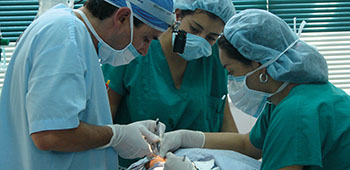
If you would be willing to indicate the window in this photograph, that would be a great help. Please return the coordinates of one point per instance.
(15, 16)
(328, 27)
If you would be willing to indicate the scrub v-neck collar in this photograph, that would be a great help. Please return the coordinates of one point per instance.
(167, 73)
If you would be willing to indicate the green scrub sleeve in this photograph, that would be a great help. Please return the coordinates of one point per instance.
(259, 130)
(116, 76)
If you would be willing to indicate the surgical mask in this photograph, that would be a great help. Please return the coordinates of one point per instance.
(109, 55)
(196, 47)
(250, 101)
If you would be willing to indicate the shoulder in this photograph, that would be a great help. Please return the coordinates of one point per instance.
(59, 29)
(60, 22)
(310, 97)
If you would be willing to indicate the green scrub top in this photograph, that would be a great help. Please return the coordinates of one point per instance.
(310, 127)
(148, 92)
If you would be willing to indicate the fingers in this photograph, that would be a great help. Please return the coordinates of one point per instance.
(161, 129)
(151, 137)
(169, 143)
(131, 144)
(172, 160)
(170, 155)
(174, 163)
(163, 151)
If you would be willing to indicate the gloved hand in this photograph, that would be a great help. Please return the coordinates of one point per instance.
(174, 162)
(129, 140)
(181, 138)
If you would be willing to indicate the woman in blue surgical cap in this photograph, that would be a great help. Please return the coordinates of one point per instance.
(303, 119)
(184, 90)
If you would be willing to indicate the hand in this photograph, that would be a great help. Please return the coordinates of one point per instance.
(129, 140)
(174, 162)
(181, 138)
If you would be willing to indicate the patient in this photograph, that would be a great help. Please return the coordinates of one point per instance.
(203, 159)
(156, 163)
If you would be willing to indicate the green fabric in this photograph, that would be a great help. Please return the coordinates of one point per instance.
(148, 91)
(310, 127)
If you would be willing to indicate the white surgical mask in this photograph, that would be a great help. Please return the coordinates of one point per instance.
(252, 102)
(109, 55)
(196, 47)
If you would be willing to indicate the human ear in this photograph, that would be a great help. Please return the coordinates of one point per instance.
(122, 17)
(178, 14)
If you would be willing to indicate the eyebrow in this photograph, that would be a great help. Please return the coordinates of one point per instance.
(215, 34)
(198, 25)
(201, 27)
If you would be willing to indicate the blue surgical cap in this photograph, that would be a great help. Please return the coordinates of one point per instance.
(221, 8)
(262, 36)
(147, 18)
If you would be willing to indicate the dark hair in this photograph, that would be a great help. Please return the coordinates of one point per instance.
(232, 52)
(199, 11)
(103, 10)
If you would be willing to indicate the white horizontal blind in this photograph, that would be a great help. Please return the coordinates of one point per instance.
(328, 28)
(15, 16)
(8, 51)
(335, 46)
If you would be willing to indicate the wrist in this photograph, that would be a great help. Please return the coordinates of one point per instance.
(193, 139)
(111, 130)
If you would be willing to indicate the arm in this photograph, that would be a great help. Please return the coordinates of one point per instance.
(228, 124)
(232, 141)
(82, 138)
(293, 167)
(114, 101)
(127, 140)
(196, 139)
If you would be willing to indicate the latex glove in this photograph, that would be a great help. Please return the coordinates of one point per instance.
(132, 140)
(174, 162)
(181, 138)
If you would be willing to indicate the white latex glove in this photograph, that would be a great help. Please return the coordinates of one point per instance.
(181, 138)
(130, 140)
(174, 162)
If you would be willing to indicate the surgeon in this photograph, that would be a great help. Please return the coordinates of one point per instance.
(184, 90)
(303, 119)
(54, 112)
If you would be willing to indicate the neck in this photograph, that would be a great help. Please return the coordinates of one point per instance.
(95, 22)
(277, 98)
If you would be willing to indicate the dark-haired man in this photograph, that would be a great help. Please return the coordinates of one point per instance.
(54, 111)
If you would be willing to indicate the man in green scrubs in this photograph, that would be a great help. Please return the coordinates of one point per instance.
(185, 91)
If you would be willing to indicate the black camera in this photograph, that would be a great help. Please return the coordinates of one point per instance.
(180, 41)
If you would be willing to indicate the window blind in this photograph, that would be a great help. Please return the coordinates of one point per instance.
(321, 15)
(328, 28)
(335, 47)
(15, 16)
(248, 4)
(8, 51)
